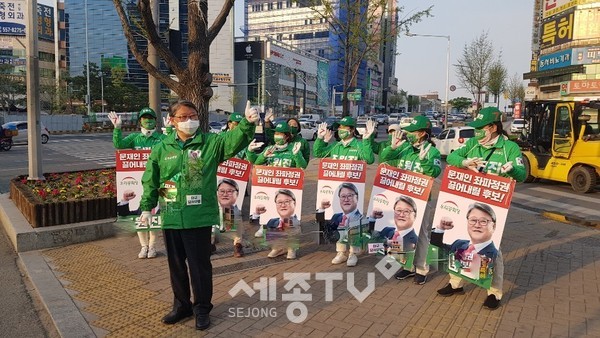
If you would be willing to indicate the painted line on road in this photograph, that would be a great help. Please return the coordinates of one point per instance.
(585, 198)
(524, 199)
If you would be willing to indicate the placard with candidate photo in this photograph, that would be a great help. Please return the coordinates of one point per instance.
(470, 217)
(341, 187)
(277, 194)
(130, 167)
(232, 180)
(397, 204)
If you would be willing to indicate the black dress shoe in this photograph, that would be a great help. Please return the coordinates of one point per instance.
(202, 322)
(176, 316)
(491, 302)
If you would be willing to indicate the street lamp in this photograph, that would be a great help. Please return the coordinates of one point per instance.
(447, 37)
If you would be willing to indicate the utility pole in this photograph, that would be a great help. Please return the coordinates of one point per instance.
(153, 83)
(87, 61)
(34, 144)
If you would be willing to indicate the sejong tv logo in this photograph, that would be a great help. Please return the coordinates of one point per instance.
(297, 290)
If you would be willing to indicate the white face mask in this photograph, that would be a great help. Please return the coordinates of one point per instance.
(146, 132)
(188, 127)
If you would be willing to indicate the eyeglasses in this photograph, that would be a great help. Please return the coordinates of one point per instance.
(226, 192)
(284, 203)
(347, 197)
(403, 212)
(481, 221)
(186, 117)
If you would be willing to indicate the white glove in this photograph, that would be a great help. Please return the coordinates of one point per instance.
(424, 150)
(506, 168)
(269, 152)
(297, 146)
(397, 139)
(269, 116)
(255, 145)
(167, 121)
(251, 113)
(322, 130)
(115, 119)
(370, 129)
(146, 218)
(328, 135)
(472, 163)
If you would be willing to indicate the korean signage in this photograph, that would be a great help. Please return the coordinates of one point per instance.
(555, 60)
(552, 7)
(221, 78)
(12, 61)
(336, 177)
(557, 30)
(586, 55)
(586, 24)
(12, 19)
(290, 59)
(580, 86)
(276, 193)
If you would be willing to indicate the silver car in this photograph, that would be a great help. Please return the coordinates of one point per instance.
(21, 126)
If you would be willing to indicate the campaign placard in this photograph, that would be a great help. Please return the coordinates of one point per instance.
(470, 215)
(338, 178)
(130, 166)
(276, 193)
(398, 201)
(232, 180)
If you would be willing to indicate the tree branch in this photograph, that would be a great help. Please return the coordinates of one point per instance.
(215, 28)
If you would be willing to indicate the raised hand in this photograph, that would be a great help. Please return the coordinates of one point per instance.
(167, 121)
(269, 116)
(328, 135)
(251, 113)
(397, 139)
(424, 150)
(370, 129)
(296, 149)
(322, 130)
(255, 145)
(115, 119)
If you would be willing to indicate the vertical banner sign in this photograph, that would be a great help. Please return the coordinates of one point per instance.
(332, 173)
(131, 165)
(267, 184)
(398, 201)
(232, 180)
(471, 213)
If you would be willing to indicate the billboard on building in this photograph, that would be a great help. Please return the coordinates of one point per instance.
(586, 24)
(552, 7)
(45, 22)
(555, 60)
(558, 30)
(586, 55)
(282, 56)
(12, 17)
(251, 50)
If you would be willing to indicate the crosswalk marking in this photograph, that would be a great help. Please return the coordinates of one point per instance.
(87, 149)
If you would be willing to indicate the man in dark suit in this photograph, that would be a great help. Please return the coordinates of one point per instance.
(340, 222)
(280, 230)
(231, 215)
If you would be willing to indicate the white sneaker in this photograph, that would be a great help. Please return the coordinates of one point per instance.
(144, 252)
(291, 254)
(151, 252)
(259, 233)
(352, 260)
(276, 252)
(339, 258)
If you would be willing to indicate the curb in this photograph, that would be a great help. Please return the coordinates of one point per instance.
(25, 238)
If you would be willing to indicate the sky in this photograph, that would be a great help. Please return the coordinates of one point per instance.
(421, 61)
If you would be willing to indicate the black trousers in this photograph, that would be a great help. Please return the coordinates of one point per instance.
(193, 245)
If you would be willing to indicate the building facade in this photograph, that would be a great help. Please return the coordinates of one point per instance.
(565, 63)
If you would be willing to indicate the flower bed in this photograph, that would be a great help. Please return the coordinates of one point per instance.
(64, 198)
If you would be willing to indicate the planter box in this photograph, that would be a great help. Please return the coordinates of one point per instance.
(57, 213)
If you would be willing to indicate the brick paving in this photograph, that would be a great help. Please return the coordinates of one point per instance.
(552, 289)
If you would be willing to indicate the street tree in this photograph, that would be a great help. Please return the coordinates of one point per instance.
(413, 102)
(12, 88)
(515, 90)
(473, 68)
(397, 99)
(461, 103)
(193, 79)
(497, 80)
(361, 28)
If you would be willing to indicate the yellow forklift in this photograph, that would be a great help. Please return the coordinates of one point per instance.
(561, 142)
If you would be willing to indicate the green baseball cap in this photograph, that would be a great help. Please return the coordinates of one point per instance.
(486, 116)
(235, 117)
(418, 123)
(146, 111)
(347, 121)
(282, 128)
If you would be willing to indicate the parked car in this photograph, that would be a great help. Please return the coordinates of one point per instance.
(308, 131)
(314, 118)
(215, 127)
(453, 138)
(394, 118)
(381, 119)
(517, 126)
(435, 131)
(21, 126)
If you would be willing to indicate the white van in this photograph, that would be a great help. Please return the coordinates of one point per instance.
(314, 118)
(394, 118)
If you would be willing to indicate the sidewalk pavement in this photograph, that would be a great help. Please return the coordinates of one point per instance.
(552, 289)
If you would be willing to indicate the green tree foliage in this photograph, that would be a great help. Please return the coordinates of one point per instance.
(12, 88)
(397, 99)
(461, 103)
(497, 80)
(515, 90)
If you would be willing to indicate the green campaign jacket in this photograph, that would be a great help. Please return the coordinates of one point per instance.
(281, 158)
(503, 151)
(135, 140)
(182, 177)
(355, 150)
(407, 157)
(379, 146)
(305, 148)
